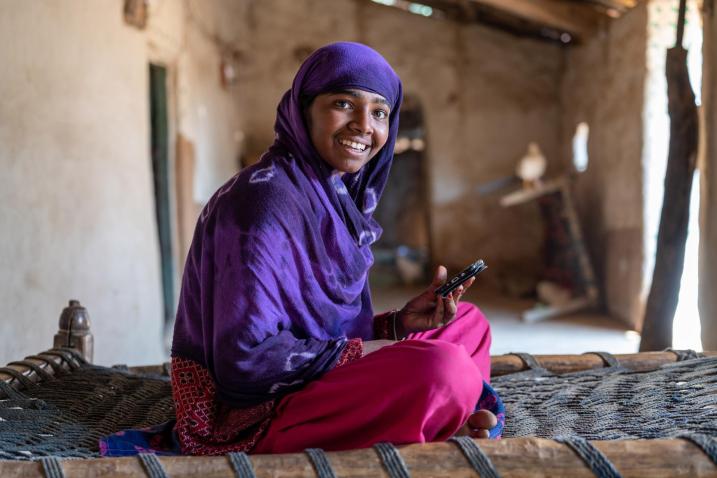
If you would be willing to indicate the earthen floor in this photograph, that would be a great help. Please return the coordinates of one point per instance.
(574, 333)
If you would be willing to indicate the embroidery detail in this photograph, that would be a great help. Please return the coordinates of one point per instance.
(206, 426)
(262, 175)
(289, 366)
(341, 187)
(369, 201)
(366, 238)
(352, 351)
(338, 183)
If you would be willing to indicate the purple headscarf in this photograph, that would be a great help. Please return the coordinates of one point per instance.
(276, 279)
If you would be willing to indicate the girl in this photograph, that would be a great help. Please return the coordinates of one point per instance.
(276, 347)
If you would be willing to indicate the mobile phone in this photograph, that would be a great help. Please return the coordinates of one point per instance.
(455, 281)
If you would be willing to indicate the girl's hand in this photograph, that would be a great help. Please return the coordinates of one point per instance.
(429, 311)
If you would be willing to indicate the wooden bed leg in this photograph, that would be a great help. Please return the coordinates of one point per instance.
(75, 330)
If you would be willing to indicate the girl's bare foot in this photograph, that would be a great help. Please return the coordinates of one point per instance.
(478, 425)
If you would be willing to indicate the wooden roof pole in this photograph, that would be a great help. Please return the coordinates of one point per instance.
(581, 21)
(674, 219)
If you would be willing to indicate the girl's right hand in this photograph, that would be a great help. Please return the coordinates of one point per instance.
(374, 345)
(429, 311)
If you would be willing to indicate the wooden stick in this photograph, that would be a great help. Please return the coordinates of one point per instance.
(681, 14)
(507, 364)
(30, 373)
(513, 457)
(642, 362)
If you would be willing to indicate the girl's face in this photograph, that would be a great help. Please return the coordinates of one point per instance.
(348, 128)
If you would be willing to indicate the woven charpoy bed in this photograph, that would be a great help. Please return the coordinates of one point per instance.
(649, 414)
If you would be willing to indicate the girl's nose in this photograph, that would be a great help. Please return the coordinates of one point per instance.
(361, 121)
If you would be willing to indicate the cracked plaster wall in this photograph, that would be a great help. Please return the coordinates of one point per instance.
(77, 213)
(604, 85)
(78, 218)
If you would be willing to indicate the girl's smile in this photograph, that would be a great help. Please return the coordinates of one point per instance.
(348, 127)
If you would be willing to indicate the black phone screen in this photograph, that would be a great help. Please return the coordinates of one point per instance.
(455, 281)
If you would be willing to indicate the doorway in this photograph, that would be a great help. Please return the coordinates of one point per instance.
(159, 143)
(402, 254)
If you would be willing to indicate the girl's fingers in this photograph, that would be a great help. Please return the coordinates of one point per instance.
(467, 285)
(438, 313)
(469, 282)
(439, 277)
(450, 309)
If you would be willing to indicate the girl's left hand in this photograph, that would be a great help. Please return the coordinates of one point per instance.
(429, 311)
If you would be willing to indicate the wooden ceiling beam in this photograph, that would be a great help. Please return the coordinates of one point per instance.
(580, 20)
(613, 7)
(626, 3)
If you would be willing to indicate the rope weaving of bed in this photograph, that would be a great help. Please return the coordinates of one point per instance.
(67, 413)
(612, 403)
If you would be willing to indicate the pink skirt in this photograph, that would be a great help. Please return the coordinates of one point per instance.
(419, 390)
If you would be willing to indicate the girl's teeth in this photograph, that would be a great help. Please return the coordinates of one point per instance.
(353, 145)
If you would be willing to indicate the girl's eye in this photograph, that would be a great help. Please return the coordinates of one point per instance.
(381, 114)
(343, 104)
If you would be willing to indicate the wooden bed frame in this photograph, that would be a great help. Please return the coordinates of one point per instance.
(512, 457)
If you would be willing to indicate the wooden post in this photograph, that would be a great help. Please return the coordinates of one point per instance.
(708, 206)
(74, 330)
(672, 235)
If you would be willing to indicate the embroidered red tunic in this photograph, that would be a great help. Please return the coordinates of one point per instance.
(207, 426)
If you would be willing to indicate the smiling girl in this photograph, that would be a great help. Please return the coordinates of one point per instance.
(276, 347)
